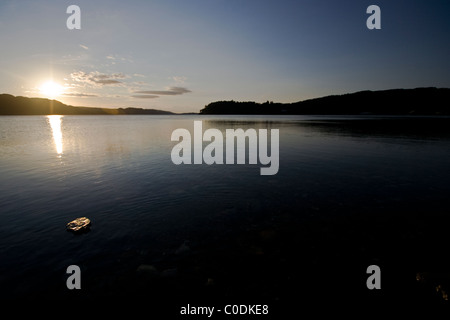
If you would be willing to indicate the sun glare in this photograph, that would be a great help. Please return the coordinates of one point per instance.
(51, 89)
(55, 124)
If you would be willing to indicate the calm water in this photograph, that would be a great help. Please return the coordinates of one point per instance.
(117, 171)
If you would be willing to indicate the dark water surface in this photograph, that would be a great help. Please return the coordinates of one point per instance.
(350, 192)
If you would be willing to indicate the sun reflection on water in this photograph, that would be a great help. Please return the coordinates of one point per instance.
(55, 124)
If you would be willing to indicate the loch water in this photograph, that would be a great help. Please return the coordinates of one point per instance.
(353, 186)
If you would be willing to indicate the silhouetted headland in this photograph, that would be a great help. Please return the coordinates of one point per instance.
(11, 105)
(419, 101)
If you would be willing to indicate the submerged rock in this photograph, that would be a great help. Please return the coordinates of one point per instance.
(79, 224)
(210, 282)
(183, 249)
(147, 271)
(169, 273)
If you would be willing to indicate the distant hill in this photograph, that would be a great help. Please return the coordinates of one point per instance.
(419, 101)
(11, 105)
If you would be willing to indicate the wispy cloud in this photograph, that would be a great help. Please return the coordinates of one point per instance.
(79, 95)
(97, 79)
(179, 79)
(118, 58)
(145, 96)
(84, 47)
(172, 91)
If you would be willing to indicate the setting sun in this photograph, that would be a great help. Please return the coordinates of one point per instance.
(51, 89)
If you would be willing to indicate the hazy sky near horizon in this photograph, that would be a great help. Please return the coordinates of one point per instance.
(181, 55)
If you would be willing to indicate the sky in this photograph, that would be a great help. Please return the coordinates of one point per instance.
(181, 55)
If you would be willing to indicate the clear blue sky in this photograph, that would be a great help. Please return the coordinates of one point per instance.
(181, 55)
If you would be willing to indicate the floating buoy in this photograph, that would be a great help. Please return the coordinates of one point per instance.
(79, 224)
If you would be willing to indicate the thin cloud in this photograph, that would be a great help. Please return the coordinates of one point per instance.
(107, 81)
(109, 76)
(145, 96)
(179, 79)
(172, 91)
(97, 79)
(118, 58)
(79, 95)
(84, 47)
